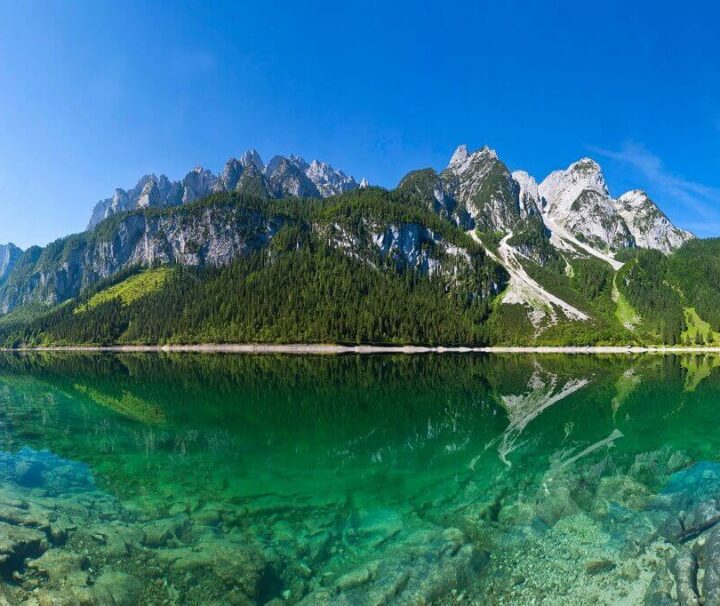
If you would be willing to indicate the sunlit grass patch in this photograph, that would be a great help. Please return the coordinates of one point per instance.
(130, 290)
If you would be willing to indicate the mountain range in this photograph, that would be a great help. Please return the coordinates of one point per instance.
(473, 254)
(281, 177)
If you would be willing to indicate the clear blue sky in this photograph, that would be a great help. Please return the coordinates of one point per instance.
(94, 94)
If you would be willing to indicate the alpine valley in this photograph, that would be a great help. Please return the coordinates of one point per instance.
(298, 252)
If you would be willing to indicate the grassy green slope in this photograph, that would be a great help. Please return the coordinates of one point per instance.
(695, 270)
(129, 290)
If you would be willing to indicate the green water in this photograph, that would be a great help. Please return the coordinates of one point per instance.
(212, 479)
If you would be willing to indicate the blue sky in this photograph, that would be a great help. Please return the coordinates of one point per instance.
(95, 94)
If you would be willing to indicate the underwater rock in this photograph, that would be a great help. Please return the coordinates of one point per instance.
(700, 518)
(184, 559)
(645, 527)
(376, 527)
(660, 591)
(711, 564)
(357, 577)
(241, 566)
(18, 543)
(219, 564)
(623, 491)
(111, 587)
(516, 514)
(159, 532)
(678, 460)
(116, 537)
(649, 468)
(426, 568)
(556, 504)
(28, 473)
(630, 571)
(599, 566)
(684, 568)
(207, 516)
(62, 565)
(124, 588)
(680, 579)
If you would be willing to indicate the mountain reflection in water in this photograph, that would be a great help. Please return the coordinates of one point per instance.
(197, 478)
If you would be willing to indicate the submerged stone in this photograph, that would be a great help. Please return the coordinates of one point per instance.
(600, 566)
(18, 543)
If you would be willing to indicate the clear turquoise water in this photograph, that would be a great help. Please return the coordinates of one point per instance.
(212, 479)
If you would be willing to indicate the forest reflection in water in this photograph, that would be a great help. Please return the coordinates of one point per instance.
(350, 479)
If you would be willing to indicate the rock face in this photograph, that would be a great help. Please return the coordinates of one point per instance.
(214, 236)
(528, 195)
(476, 190)
(483, 185)
(578, 200)
(291, 176)
(647, 223)
(9, 254)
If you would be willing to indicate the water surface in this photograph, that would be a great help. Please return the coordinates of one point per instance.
(221, 479)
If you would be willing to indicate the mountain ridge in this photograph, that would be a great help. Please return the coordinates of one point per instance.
(282, 176)
(559, 261)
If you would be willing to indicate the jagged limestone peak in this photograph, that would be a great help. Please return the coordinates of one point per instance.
(252, 157)
(462, 159)
(649, 225)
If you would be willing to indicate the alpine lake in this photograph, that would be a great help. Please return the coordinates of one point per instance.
(215, 479)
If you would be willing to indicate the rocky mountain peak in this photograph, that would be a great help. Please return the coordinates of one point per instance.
(459, 157)
(301, 163)
(230, 176)
(9, 254)
(462, 160)
(481, 192)
(649, 225)
(585, 165)
(283, 176)
(528, 194)
(577, 199)
(561, 188)
(328, 180)
(634, 198)
(252, 157)
(198, 183)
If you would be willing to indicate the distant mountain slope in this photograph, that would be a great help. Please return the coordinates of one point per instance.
(291, 176)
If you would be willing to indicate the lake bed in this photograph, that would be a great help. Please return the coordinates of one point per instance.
(168, 478)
